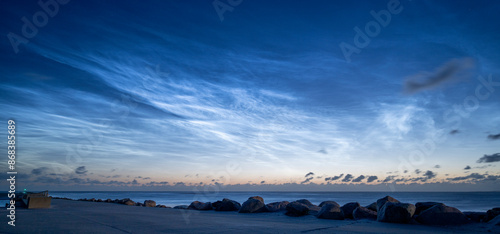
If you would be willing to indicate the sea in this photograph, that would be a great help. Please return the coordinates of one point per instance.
(464, 201)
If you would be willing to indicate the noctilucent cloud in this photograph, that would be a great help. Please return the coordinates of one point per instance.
(252, 95)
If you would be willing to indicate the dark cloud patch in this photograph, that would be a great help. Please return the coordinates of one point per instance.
(467, 167)
(474, 176)
(359, 179)
(388, 179)
(451, 71)
(405, 171)
(334, 178)
(430, 174)
(494, 137)
(347, 178)
(371, 179)
(263, 182)
(309, 174)
(81, 170)
(492, 177)
(322, 151)
(154, 183)
(39, 171)
(437, 166)
(453, 132)
(307, 180)
(489, 158)
(418, 171)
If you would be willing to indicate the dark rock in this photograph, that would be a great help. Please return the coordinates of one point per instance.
(372, 206)
(108, 200)
(381, 202)
(395, 212)
(99, 200)
(495, 221)
(257, 197)
(253, 205)
(313, 210)
(129, 203)
(122, 201)
(328, 202)
(364, 213)
(475, 216)
(216, 204)
(182, 207)
(441, 214)
(330, 211)
(227, 205)
(139, 204)
(305, 202)
(491, 214)
(149, 203)
(277, 206)
(421, 206)
(197, 205)
(296, 209)
(348, 208)
(161, 206)
(92, 199)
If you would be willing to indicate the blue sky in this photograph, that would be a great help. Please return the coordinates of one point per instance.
(169, 95)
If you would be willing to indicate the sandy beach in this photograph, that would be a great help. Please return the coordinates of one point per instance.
(67, 216)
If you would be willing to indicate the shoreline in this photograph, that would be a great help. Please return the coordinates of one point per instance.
(126, 216)
(91, 217)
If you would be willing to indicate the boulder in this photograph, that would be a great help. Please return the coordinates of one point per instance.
(328, 202)
(182, 207)
(491, 214)
(216, 204)
(296, 209)
(99, 200)
(122, 201)
(330, 211)
(108, 200)
(149, 203)
(421, 206)
(162, 206)
(441, 214)
(129, 203)
(364, 213)
(381, 202)
(348, 208)
(277, 206)
(92, 199)
(257, 197)
(227, 205)
(197, 205)
(495, 221)
(139, 204)
(313, 209)
(395, 212)
(305, 202)
(475, 216)
(372, 206)
(253, 205)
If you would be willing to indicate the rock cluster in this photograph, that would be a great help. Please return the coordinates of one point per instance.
(386, 209)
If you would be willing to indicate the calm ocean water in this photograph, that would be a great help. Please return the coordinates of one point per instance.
(465, 201)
